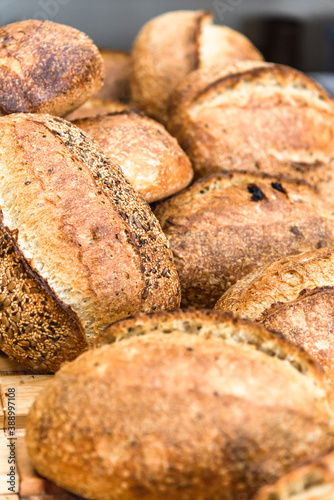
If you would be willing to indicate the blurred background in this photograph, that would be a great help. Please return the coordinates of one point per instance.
(299, 33)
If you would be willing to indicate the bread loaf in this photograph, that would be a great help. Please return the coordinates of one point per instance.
(258, 117)
(174, 44)
(293, 296)
(97, 107)
(117, 71)
(46, 68)
(314, 481)
(149, 157)
(80, 248)
(225, 226)
(187, 405)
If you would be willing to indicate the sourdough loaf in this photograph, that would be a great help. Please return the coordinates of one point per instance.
(80, 248)
(148, 155)
(188, 405)
(225, 226)
(258, 117)
(117, 71)
(174, 44)
(46, 68)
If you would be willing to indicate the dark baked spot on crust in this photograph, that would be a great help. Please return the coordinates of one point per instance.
(294, 230)
(278, 186)
(257, 194)
(322, 244)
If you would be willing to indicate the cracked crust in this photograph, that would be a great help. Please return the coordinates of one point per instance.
(195, 410)
(171, 46)
(259, 117)
(293, 296)
(46, 67)
(80, 224)
(149, 156)
(225, 226)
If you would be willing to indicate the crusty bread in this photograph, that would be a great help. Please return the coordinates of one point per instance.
(46, 68)
(80, 247)
(148, 155)
(293, 296)
(227, 225)
(314, 481)
(117, 71)
(258, 117)
(97, 107)
(174, 44)
(193, 405)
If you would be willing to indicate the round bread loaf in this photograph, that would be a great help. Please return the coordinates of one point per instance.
(174, 44)
(97, 107)
(188, 405)
(79, 247)
(225, 226)
(148, 155)
(256, 116)
(311, 482)
(293, 296)
(117, 70)
(46, 68)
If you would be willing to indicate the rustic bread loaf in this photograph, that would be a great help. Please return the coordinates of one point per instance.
(192, 405)
(46, 68)
(293, 296)
(79, 247)
(148, 155)
(225, 226)
(256, 116)
(174, 44)
(314, 481)
(97, 107)
(117, 71)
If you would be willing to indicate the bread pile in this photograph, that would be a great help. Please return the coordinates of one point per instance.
(193, 404)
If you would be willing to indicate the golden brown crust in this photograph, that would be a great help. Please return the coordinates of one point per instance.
(97, 107)
(187, 416)
(148, 155)
(258, 117)
(117, 71)
(228, 225)
(314, 481)
(293, 296)
(88, 233)
(46, 68)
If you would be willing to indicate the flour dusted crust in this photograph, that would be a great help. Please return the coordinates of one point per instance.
(174, 44)
(200, 405)
(225, 226)
(82, 230)
(46, 67)
(149, 156)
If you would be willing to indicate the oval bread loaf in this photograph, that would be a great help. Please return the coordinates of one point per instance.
(258, 117)
(46, 68)
(225, 226)
(148, 155)
(174, 44)
(80, 248)
(293, 296)
(187, 405)
(117, 71)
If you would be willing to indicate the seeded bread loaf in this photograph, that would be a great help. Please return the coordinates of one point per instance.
(187, 405)
(314, 481)
(293, 296)
(258, 117)
(225, 226)
(148, 155)
(80, 248)
(174, 44)
(46, 68)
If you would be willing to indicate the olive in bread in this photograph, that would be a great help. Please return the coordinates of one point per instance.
(225, 226)
(174, 44)
(46, 68)
(293, 296)
(148, 155)
(258, 117)
(188, 405)
(80, 248)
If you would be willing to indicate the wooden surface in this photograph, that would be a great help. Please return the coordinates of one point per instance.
(28, 484)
